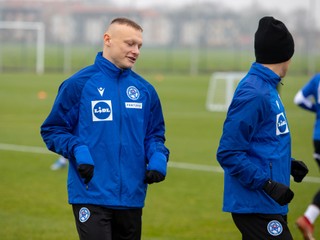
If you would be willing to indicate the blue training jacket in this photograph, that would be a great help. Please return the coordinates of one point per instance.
(111, 118)
(311, 101)
(255, 145)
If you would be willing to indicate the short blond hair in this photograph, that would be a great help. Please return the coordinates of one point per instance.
(128, 22)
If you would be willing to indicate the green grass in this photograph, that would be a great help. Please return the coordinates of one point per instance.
(187, 206)
(22, 57)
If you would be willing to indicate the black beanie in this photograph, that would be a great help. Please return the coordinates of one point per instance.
(273, 43)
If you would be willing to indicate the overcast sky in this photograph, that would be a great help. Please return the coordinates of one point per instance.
(284, 5)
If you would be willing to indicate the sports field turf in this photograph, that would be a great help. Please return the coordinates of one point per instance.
(186, 206)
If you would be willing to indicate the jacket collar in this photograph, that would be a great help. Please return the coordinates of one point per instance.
(109, 68)
(265, 73)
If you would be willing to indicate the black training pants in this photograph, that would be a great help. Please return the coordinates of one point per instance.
(100, 223)
(262, 226)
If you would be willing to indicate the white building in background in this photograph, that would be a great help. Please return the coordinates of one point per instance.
(84, 22)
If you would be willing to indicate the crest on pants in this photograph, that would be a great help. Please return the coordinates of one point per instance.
(274, 228)
(84, 214)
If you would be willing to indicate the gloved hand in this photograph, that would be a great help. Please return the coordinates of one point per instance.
(86, 172)
(279, 192)
(318, 161)
(85, 162)
(298, 170)
(153, 176)
(156, 169)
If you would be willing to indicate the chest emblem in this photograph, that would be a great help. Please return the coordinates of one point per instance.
(133, 93)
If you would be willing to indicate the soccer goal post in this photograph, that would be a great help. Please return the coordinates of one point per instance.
(39, 27)
(221, 88)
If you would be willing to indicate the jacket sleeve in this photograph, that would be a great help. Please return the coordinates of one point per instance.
(303, 98)
(58, 129)
(155, 134)
(246, 111)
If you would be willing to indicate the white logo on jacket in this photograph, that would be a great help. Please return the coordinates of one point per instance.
(101, 110)
(281, 124)
(101, 91)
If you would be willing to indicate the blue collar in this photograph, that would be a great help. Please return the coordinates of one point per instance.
(265, 73)
(109, 68)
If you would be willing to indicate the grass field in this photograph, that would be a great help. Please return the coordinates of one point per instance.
(187, 206)
(22, 57)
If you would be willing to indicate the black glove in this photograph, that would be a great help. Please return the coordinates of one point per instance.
(318, 162)
(86, 172)
(153, 176)
(278, 192)
(298, 170)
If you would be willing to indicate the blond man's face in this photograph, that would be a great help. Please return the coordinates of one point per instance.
(122, 45)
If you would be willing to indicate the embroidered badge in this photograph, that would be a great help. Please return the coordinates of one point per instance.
(133, 93)
(274, 228)
(84, 214)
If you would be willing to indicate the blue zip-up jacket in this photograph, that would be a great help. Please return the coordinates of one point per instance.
(110, 118)
(255, 145)
(309, 98)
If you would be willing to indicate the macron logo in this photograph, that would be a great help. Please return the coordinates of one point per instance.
(101, 90)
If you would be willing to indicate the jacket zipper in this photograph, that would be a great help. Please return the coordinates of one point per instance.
(120, 136)
(270, 166)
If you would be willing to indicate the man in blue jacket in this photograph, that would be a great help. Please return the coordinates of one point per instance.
(308, 98)
(255, 147)
(108, 122)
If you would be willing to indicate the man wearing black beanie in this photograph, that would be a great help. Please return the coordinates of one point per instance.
(273, 43)
(255, 146)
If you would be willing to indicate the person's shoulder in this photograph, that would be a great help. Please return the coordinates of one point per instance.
(138, 76)
(252, 90)
(141, 80)
(77, 81)
(82, 75)
(253, 84)
(85, 72)
(316, 77)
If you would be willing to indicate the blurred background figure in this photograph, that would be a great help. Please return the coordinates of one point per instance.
(308, 99)
(60, 163)
(306, 222)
